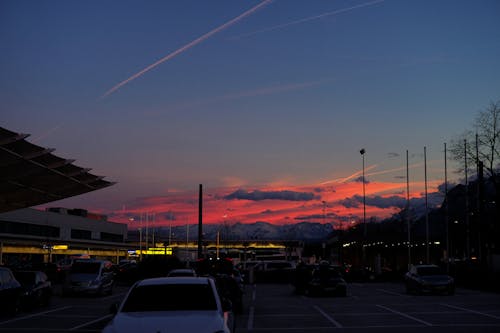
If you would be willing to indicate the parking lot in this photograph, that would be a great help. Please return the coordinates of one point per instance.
(369, 307)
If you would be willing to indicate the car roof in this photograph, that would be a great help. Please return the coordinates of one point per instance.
(174, 280)
(418, 266)
(182, 270)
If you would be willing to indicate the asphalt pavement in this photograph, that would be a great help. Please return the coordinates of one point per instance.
(369, 307)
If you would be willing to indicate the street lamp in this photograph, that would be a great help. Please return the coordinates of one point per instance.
(362, 152)
(131, 219)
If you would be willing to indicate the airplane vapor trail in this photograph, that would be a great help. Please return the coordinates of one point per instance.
(187, 46)
(345, 179)
(307, 19)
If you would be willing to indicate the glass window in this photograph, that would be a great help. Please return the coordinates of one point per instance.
(171, 297)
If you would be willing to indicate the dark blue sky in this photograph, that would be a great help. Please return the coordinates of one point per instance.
(285, 96)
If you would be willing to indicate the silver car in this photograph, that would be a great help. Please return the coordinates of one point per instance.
(89, 277)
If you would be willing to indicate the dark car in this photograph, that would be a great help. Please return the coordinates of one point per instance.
(10, 292)
(36, 288)
(229, 289)
(326, 280)
(428, 279)
(126, 273)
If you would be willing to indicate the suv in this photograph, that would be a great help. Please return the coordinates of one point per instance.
(10, 292)
(90, 277)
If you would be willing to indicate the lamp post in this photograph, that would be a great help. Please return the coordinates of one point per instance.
(362, 152)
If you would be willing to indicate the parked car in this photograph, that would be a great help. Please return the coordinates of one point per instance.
(126, 272)
(326, 280)
(176, 305)
(181, 272)
(274, 271)
(10, 292)
(90, 277)
(36, 288)
(228, 288)
(428, 279)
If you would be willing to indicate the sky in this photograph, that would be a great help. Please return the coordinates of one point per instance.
(265, 103)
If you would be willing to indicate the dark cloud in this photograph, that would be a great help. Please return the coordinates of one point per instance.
(272, 195)
(316, 216)
(392, 155)
(169, 216)
(433, 199)
(360, 180)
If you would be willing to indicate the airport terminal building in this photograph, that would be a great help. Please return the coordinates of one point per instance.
(57, 232)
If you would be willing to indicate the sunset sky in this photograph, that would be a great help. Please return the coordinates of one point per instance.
(265, 103)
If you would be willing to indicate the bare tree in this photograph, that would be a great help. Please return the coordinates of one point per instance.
(481, 144)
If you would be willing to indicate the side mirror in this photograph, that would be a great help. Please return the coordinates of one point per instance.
(113, 309)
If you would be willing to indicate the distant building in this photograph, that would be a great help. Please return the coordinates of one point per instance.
(60, 232)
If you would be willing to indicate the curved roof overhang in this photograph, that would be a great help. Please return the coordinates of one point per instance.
(32, 175)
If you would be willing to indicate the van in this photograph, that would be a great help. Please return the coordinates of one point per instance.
(90, 276)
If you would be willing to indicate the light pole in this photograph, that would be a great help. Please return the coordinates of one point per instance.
(362, 152)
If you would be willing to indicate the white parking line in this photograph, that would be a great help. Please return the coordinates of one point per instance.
(250, 318)
(91, 322)
(35, 315)
(471, 311)
(405, 315)
(327, 316)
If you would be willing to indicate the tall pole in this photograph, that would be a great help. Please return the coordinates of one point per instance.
(408, 209)
(478, 202)
(147, 230)
(467, 226)
(446, 218)
(427, 256)
(153, 216)
(200, 222)
(362, 152)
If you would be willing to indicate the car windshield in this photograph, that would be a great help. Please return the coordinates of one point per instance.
(424, 271)
(171, 297)
(85, 267)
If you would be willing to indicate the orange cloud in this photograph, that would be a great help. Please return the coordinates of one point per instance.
(337, 203)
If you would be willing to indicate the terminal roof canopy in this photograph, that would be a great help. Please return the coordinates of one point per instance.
(31, 175)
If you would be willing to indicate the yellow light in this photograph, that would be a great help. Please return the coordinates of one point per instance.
(60, 247)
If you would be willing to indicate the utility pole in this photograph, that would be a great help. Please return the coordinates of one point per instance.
(200, 222)
(446, 212)
(467, 222)
(427, 255)
(362, 152)
(408, 209)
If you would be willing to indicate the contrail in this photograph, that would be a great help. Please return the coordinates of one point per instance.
(307, 19)
(187, 46)
(345, 179)
(47, 133)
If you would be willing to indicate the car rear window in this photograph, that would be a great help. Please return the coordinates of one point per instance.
(85, 267)
(430, 271)
(171, 297)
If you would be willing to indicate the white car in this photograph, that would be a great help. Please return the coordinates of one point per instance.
(173, 305)
(181, 272)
